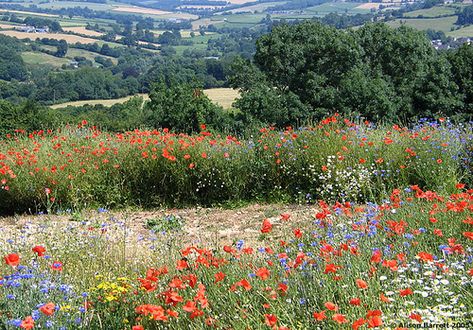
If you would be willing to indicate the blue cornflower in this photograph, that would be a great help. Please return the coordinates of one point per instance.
(35, 315)
(15, 322)
(239, 244)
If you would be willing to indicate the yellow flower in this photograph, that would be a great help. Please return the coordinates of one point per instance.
(110, 298)
(65, 308)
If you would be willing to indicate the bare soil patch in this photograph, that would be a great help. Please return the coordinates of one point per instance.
(202, 226)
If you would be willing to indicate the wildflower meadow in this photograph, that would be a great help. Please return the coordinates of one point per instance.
(364, 226)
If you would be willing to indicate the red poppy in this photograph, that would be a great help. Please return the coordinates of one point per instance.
(468, 234)
(424, 256)
(12, 259)
(331, 268)
(172, 313)
(320, 316)
(361, 284)
(47, 309)
(384, 298)
(358, 323)
(245, 284)
(182, 264)
(189, 306)
(266, 227)
(40, 250)
(137, 327)
(27, 323)
(376, 257)
(355, 301)
(219, 277)
(405, 292)
(285, 216)
(375, 321)
(282, 287)
(270, 319)
(263, 273)
(331, 306)
(339, 318)
(416, 317)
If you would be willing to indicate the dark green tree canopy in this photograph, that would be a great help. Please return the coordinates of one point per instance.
(376, 72)
(180, 107)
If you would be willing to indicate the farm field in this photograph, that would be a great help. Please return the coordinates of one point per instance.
(373, 228)
(72, 4)
(439, 24)
(206, 22)
(59, 36)
(27, 13)
(7, 26)
(463, 32)
(72, 52)
(258, 7)
(140, 10)
(83, 30)
(337, 7)
(107, 103)
(222, 96)
(42, 58)
(432, 12)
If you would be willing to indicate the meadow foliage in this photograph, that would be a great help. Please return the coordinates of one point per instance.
(386, 242)
(404, 262)
(77, 167)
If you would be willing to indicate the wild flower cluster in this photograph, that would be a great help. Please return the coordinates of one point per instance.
(397, 264)
(80, 167)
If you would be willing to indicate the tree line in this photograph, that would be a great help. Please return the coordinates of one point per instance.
(299, 73)
(302, 72)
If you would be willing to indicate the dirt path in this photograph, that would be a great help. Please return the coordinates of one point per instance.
(208, 226)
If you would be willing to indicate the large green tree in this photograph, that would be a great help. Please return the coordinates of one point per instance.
(180, 107)
(304, 71)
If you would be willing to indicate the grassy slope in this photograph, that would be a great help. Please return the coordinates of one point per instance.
(432, 12)
(440, 24)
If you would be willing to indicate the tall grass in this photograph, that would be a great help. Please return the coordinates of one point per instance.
(80, 167)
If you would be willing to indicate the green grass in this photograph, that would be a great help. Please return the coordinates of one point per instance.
(258, 7)
(432, 12)
(72, 52)
(439, 24)
(336, 7)
(200, 43)
(246, 171)
(42, 58)
(72, 4)
(240, 20)
(463, 32)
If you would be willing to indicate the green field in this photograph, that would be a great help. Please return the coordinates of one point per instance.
(432, 12)
(336, 7)
(200, 43)
(463, 32)
(42, 58)
(72, 52)
(439, 24)
(258, 7)
(72, 4)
